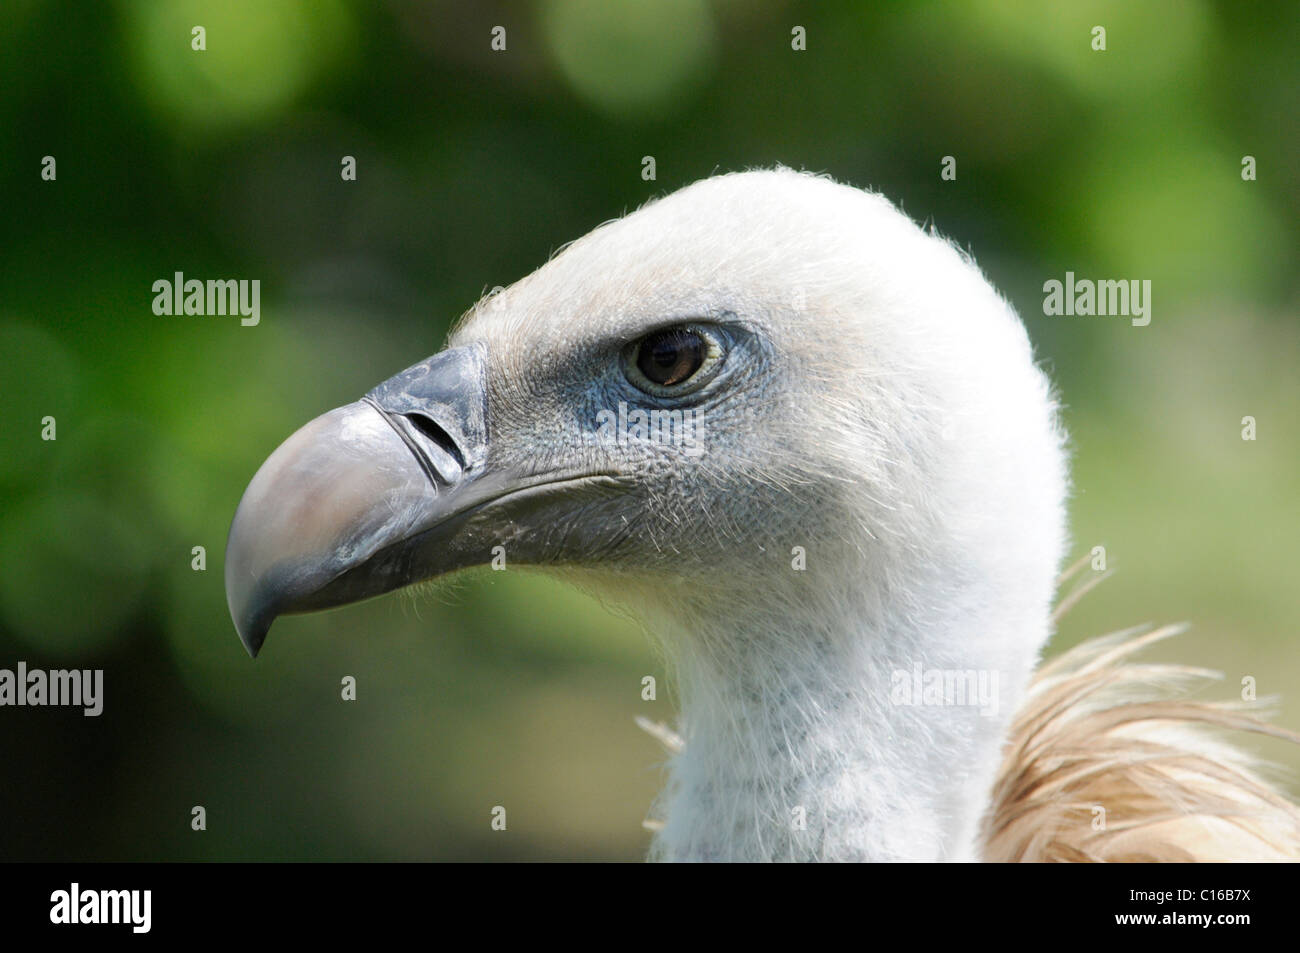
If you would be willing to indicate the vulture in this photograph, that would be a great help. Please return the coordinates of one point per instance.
(808, 444)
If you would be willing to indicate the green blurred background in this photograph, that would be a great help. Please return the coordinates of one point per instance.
(473, 166)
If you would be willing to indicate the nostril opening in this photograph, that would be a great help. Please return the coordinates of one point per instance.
(438, 436)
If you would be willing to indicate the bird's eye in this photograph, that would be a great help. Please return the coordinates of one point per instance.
(669, 362)
(670, 357)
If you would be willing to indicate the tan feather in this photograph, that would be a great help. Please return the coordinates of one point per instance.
(1108, 761)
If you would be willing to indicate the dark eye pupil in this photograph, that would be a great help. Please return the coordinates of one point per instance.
(670, 357)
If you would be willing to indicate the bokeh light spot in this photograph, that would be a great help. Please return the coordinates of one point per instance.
(260, 55)
(632, 55)
(72, 570)
(43, 383)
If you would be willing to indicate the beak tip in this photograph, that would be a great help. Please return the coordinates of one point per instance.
(253, 638)
(247, 611)
(252, 627)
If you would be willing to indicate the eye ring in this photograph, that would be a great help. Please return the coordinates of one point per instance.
(674, 360)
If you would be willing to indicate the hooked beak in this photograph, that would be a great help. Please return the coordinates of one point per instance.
(336, 514)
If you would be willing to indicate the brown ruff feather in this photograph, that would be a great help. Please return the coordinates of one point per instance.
(1106, 762)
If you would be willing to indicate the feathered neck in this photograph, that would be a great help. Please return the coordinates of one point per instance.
(872, 735)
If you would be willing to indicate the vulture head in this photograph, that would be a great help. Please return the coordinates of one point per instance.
(804, 439)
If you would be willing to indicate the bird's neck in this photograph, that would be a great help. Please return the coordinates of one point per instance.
(873, 735)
